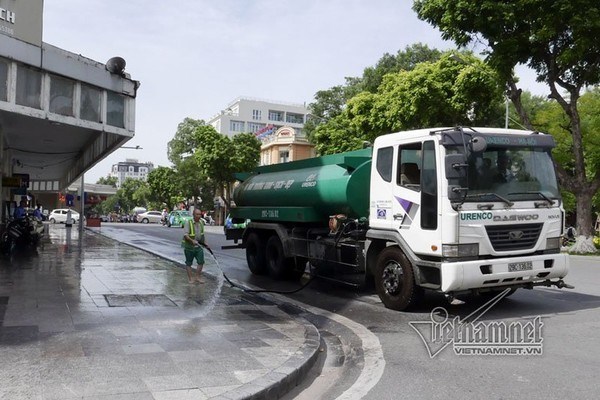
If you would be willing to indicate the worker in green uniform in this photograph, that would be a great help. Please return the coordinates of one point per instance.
(192, 242)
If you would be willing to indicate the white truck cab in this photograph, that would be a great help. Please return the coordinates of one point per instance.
(470, 209)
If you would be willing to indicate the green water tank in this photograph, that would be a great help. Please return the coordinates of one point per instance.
(308, 190)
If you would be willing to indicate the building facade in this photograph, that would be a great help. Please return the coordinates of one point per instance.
(131, 168)
(278, 125)
(60, 112)
(261, 117)
(285, 145)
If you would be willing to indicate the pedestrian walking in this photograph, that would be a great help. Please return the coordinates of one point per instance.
(192, 242)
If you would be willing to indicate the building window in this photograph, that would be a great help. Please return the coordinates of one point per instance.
(256, 115)
(294, 118)
(3, 80)
(284, 156)
(115, 110)
(275, 115)
(236, 126)
(29, 87)
(254, 127)
(90, 104)
(61, 96)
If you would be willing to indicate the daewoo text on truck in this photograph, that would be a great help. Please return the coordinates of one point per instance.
(453, 210)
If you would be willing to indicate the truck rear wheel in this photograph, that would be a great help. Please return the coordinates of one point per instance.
(278, 265)
(255, 254)
(395, 281)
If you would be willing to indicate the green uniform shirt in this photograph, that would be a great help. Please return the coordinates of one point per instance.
(195, 230)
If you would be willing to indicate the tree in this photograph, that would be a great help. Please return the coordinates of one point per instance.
(133, 193)
(559, 40)
(330, 103)
(185, 141)
(404, 60)
(162, 182)
(219, 157)
(191, 181)
(246, 152)
(551, 118)
(109, 180)
(205, 160)
(457, 89)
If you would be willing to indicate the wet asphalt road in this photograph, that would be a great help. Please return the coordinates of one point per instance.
(567, 367)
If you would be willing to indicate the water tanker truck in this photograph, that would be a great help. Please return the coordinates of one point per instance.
(452, 210)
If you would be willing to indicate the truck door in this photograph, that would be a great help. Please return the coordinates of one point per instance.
(415, 194)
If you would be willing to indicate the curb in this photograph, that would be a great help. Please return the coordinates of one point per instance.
(281, 380)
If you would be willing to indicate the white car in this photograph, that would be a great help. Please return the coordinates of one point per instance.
(150, 216)
(60, 216)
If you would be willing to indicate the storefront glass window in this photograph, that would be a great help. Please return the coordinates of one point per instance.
(115, 110)
(61, 96)
(90, 104)
(3, 80)
(29, 87)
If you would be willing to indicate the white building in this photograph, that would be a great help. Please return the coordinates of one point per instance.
(261, 117)
(131, 168)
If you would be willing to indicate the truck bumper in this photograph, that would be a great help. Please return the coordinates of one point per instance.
(478, 274)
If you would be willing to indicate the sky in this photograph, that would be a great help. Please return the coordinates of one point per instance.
(193, 57)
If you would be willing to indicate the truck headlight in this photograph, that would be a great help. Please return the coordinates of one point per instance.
(460, 250)
(553, 243)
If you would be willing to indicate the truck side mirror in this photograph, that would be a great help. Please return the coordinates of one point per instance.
(478, 144)
(456, 166)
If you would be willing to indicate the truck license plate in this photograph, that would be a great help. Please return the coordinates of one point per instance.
(520, 266)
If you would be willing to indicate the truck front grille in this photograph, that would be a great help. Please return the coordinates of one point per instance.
(516, 237)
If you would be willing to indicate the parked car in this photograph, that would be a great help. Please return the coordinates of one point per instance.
(60, 216)
(150, 217)
(178, 218)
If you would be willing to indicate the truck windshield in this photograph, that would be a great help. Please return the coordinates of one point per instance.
(514, 174)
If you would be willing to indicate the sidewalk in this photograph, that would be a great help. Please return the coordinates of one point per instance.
(97, 319)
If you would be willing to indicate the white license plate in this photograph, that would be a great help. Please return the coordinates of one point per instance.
(520, 266)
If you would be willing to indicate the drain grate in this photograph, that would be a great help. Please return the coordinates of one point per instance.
(138, 300)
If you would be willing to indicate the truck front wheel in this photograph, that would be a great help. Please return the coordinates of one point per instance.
(278, 265)
(255, 254)
(395, 281)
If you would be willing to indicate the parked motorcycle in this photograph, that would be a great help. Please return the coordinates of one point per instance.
(21, 234)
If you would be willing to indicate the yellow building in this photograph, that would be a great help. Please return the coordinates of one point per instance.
(285, 145)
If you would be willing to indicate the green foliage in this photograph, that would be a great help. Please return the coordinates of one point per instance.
(133, 193)
(214, 155)
(246, 152)
(457, 89)
(162, 182)
(558, 39)
(186, 140)
(336, 136)
(109, 180)
(205, 161)
(549, 117)
(404, 60)
(331, 103)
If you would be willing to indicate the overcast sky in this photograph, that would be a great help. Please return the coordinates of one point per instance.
(193, 57)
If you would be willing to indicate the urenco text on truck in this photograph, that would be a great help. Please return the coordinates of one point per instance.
(453, 210)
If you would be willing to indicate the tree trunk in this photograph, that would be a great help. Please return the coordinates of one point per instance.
(584, 243)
